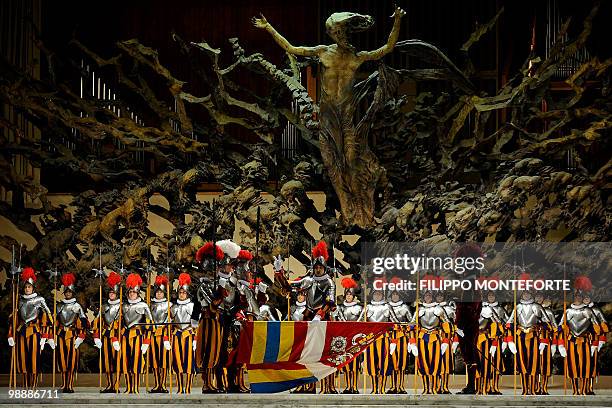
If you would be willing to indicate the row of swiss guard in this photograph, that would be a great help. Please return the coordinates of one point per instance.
(201, 330)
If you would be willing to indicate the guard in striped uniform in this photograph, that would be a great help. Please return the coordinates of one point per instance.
(350, 311)
(433, 325)
(548, 333)
(72, 325)
(400, 313)
(108, 339)
(529, 317)
(579, 324)
(206, 317)
(34, 320)
(492, 327)
(299, 312)
(447, 360)
(160, 337)
(135, 338)
(599, 340)
(183, 343)
(378, 363)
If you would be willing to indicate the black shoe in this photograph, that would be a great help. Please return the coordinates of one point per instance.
(68, 391)
(467, 391)
(108, 391)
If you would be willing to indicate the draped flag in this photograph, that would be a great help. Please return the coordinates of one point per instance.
(283, 355)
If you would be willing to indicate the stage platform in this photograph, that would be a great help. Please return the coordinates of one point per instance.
(90, 397)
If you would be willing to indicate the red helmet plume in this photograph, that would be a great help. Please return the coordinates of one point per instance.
(320, 250)
(583, 283)
(206, 251)
(113, 279)
(133, 281)
(28, 275)
(348, 283)
(184, 280)
(68, 280)
(245, 255)
(161, 280)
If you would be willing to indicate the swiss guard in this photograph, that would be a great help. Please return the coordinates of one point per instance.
(377, 356)
(580, 327)
(106, 334)
(492, 330)
(599, 340)
(399, 346)
(159, 356)
(447, 361)
(183, 342)
(320, 293)
(32, 322)
(135, 336)
(206, 317)
(72, 326)
(547, 344)
(433, 325)
(529, 317)
(350, 311)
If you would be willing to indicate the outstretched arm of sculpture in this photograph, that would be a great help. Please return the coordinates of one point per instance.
(388, 47)
(282, 41)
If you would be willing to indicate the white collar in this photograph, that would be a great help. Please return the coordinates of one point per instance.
(493, 304)
(224, 275)
(300, 304)
(113, 302)
(320, 278)
(68, 301)
(580, 306)
(155, 300)
(377, 302)
(30, 296)
(527, 302)
(432, 304)
(442, 303)
(245, 283)
(349, 304)
(591, 304)
(132, 302)
(183, 302)
(396, 304)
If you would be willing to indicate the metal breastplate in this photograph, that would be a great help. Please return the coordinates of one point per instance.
(137, 312)
(550, 316)
(181, 313)
(429, 316)
(527, 315)
(30, 309)
(599, 315)
(451, 311)
(490, 314)
(401, 313)
(229, 284)
(111, 313)
(579, 320)
(351, 313)
(68, 313)
(159, 310)
(320, 292)
(378, 312)
(265, 313)
(297, 312)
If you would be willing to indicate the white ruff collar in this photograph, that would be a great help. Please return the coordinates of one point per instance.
(183, 302)
(224, 275)
(320, 278)
(396, 304)
(30, 296)
(68, 301)
(158, 300)
(429, 304)
(527, 302)
(377, 302)
(131, 302)
(349, 304)
(113, 302)
(300, 304)
(493, 304)
(580, 306)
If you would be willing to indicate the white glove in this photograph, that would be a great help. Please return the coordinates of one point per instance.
(278, 263)
(167, 345)
(262, 287)
(51, 343)
(562, 350)
(443, 348)
(43, 341)
(553, 350)
(77, 342)
(194, 345)
(600, 345)
(194, 323)
(97, 342)
(11, 341)
(224, 283)
(392, 348)
(460, 332)
(414, 350)
(593, 348)
(512, 347)
(144, 348)
(317, 317)
(504, 346)
(493, 350)
(454, 347)
(116, 345)
(542, 347)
